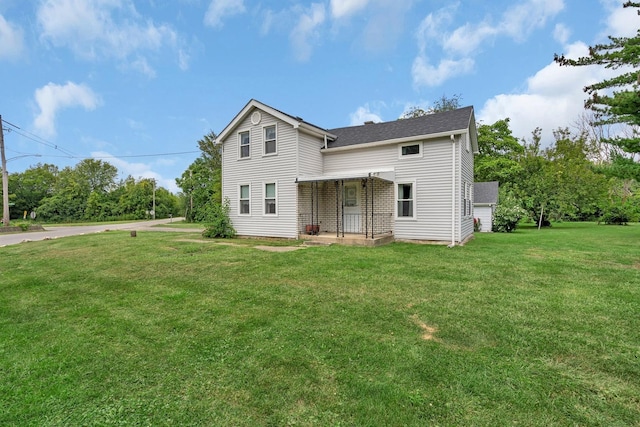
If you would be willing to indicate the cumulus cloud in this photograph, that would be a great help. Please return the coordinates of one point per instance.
(364, 114)
(553, 98)
(458, 46)
(11, 39)
(102, 29)
(220, 9)
(305, 33)
(52, 98)
(344, 8)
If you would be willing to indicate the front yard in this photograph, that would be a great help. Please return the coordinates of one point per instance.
(530, 328)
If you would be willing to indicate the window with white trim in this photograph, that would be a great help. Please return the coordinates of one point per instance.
(244, 198)
(245, 144)
(410, 150)
(270, 198)
(270, 146)
(466, 201)
(405, 197)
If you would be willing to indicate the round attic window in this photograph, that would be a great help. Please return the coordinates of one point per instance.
(256, 117)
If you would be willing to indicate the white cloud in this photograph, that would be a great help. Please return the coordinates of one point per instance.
(102, 29)
(306, 32)
(561, 33)
(553, 98)
(11, 39)
(457, 47)
(137, 170)
(142, 66)
(425, 74)
(344, 8)
(521, 19)
(220, 9)
(364, 114)
(52, 97)
(621, 22)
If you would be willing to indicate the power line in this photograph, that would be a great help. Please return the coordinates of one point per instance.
(70, 155)
(38, 139)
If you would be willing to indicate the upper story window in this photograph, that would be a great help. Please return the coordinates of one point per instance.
(270, 146)
(413, 149)
(245, 144)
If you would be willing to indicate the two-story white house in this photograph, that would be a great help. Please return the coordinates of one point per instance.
(409, 179)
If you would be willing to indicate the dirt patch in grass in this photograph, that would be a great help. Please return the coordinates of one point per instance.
(428, 332)
(259, 247)
(279, 248)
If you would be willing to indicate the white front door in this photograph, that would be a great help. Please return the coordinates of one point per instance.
(352, 212)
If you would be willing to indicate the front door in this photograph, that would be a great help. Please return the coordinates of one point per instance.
(352, 212)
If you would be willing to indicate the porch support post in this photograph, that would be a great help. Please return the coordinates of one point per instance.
(342, 203)
(337, 211)
(318, 206)
(311, 209)
(372, 211)
(366, 208)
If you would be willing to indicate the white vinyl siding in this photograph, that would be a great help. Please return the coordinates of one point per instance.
(485, 215)
(256, 171)
(465, 165)
(432, 175)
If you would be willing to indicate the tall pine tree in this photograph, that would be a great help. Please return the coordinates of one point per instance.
(615, 100)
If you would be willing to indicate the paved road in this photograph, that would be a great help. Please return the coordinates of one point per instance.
(54, 232)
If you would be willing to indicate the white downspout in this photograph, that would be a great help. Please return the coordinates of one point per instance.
(453, 191)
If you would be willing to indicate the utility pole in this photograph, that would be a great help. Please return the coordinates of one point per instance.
(5, 180)
(154, 198)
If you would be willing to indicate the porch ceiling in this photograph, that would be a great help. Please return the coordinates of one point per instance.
(383, 174)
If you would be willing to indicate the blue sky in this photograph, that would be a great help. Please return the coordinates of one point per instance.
(137, 83)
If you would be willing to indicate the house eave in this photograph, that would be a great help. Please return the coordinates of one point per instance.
(385, 174)
(396, 141)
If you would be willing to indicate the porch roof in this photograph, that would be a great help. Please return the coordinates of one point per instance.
(383, 174)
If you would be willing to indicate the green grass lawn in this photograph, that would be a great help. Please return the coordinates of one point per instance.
(534, 328)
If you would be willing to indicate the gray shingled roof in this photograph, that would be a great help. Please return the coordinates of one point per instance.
(485, 192)
(429, 124)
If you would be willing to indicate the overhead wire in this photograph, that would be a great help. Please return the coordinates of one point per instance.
(70, 155)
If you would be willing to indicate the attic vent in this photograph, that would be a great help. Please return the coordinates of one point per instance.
(369, 122)
(256, 117)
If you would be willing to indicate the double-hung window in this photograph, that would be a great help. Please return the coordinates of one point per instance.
(245, 200)
(270, 199)
(270, 146)
(245, 150)
(406, 203)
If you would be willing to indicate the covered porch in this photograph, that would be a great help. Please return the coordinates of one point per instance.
(350, 208)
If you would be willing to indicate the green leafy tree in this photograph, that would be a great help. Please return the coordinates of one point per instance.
(498, 155)
(201, 182)
(444, 103)
(30, 187)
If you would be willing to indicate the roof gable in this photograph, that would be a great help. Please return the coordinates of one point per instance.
(253, 104)
(443, 123)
